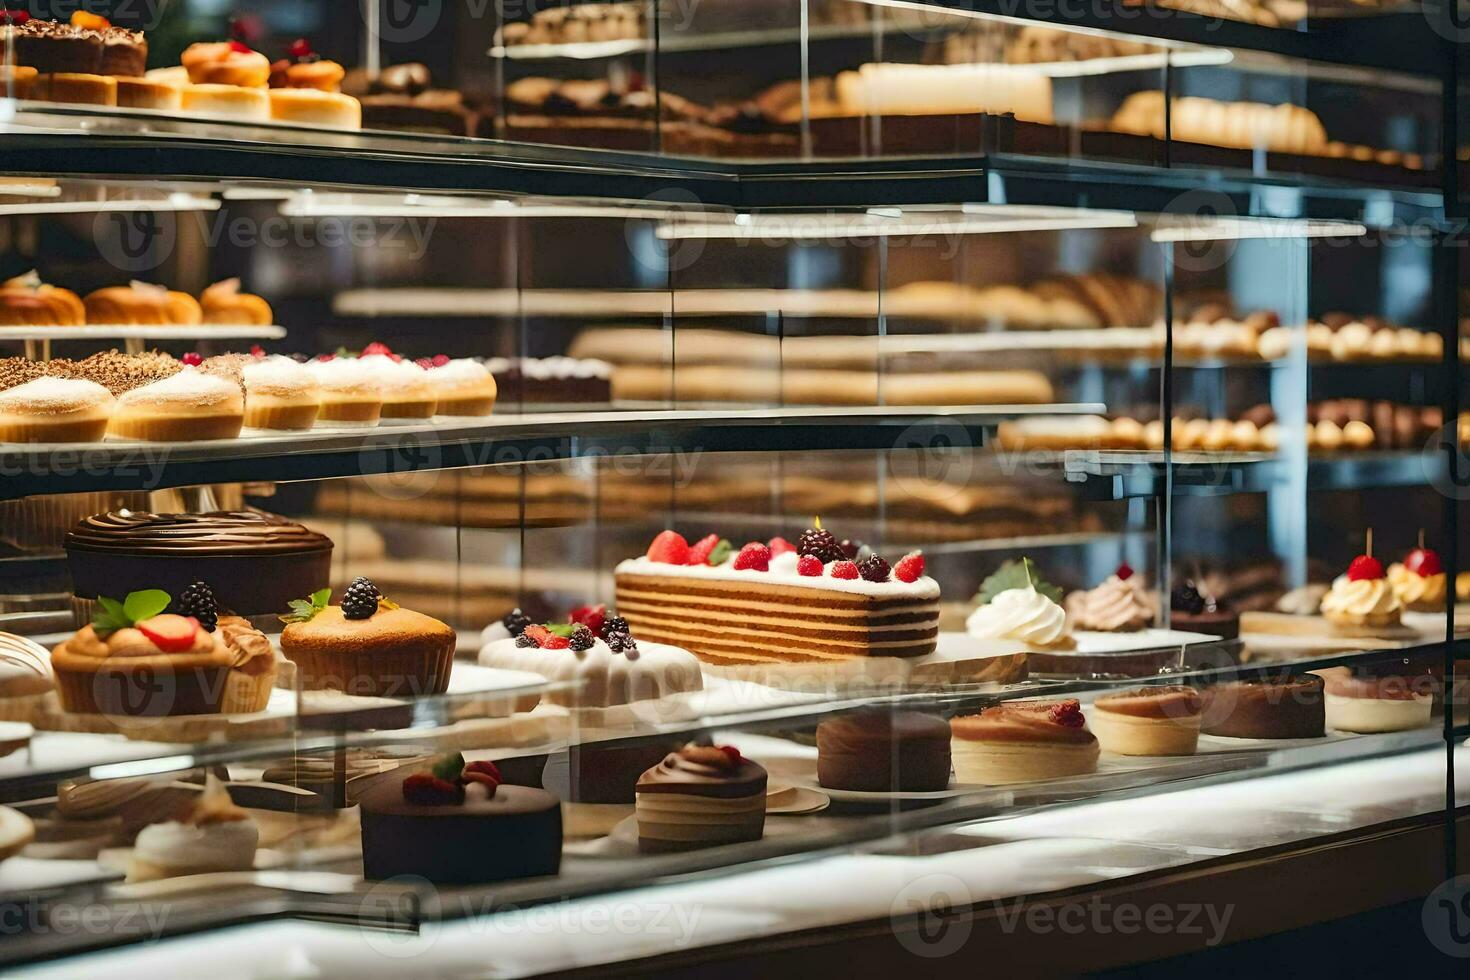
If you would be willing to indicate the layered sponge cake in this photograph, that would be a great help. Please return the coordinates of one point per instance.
(819, 600)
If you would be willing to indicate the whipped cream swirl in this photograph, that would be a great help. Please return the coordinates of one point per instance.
(1020, 614)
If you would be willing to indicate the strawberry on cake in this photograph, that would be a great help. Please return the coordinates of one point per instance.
(819, 600)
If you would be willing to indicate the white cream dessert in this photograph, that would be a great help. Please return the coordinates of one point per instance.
(1362, 598)
(279, 394)
(405, 387)
(1022, 614)
(215, 835)
(350, 394)
(1120, 604)
(1367, 705)
(775, 603)
(464, 387)
(187, 406)
(607, 665)
(55, 410)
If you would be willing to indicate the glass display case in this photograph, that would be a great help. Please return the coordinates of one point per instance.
(823, 463)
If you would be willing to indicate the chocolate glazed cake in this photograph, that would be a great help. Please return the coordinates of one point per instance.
(255, 562)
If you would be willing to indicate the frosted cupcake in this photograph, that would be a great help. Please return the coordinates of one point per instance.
(464, 387)
(1419, 581)
(405, 387)
(55, 410)
(350, 394)
(1120, 604)
(185, 407)
(1362, 598)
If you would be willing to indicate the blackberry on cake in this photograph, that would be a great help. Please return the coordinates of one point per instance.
(198, 601)
(360, 600)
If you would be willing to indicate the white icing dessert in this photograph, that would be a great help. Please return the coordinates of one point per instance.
(753, 606)
(187, 406)
(55, 410)
(215, 835)
(405, 387)
(603, 676)
(464, 387)
(350, 394)
(1025, 615)
(279, 394)
(1376, 704)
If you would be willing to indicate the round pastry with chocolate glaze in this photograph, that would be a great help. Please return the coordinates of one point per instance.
(458, 824)
(877, 751)
(1017, 742)
(255, 562)
(1265, 707)
(699, 796)
(1148, 720)
(1369, 705)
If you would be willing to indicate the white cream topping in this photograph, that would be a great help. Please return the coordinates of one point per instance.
(395, 377)
(1370, 598)
(604, 678)
(276, 372)
(54, 396)
(1019, 614)
(462, 371)
(552, 368)
(922, 588)
(182, 846)
(344, 374)
(189, 385)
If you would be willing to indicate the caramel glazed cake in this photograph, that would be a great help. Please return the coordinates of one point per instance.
(770, 604)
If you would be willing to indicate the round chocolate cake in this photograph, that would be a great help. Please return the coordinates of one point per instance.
(254, 562)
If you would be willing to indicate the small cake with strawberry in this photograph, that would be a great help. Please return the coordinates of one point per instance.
(137, 660)
(818, 601)
(593, 652)
(1419, 581)
(458, 823)
(1018, 741)
(1363, 598)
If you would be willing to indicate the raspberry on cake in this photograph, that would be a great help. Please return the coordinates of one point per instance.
(766, 604)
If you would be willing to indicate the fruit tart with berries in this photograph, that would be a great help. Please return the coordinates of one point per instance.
(367, 645)
(819, 600)
(138, 659)
(592, 658)
(458, 823)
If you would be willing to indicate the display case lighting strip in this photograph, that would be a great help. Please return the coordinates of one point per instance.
(141, 767)
(977, 219)
(308, 204)
(1197, 228)
(172, 202)
(930, 10)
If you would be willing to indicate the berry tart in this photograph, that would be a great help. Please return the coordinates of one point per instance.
(1121, 604)
(1362, 598)
(254, 562)
(766, 603)
(137, 660)
(458, 824)
(699, 796)
(367, 645)
(407, 393)
(1419, 581)
(1148, 721)
(214, 835)
(875, 750)
(1016, 742)
(1026, 611)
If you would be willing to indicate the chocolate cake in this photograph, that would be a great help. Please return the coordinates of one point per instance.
(1266, 707)
(873, 750)
(551, 380)
(255, 562)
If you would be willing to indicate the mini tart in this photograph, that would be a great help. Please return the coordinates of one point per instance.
(394, 652)
(224, 303)
(147, 93)
(1418, 593)
(878, 751)
(186, 407)
(1369, 603)
(700, 796)
(253, 673)
(310, 107)
(221, 63)
(55, 410)
(228, 101)
(405, 387)
(142, 304)
(25, 677)
(1367, 705)
(27, 302)
(75, 88)
(465, 388)
(1148, 721)
(215, 835)
(126, 674)
(1016, 743)
(1267, 707)
(349, 393)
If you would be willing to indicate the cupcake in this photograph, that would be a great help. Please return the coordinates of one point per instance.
(1148, 721)
(184, 407)
(366, 646)
(25, 677)
(405, 387)
(1121, 604)
(1419, 581)
(224, 303)
(464, 387)
(349, 392)
(140, 661)
(874, 750)
(700, 796)
(1016, 742)
(55, 410)
(213, 835)
(1362, 598)
(1026, 614)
